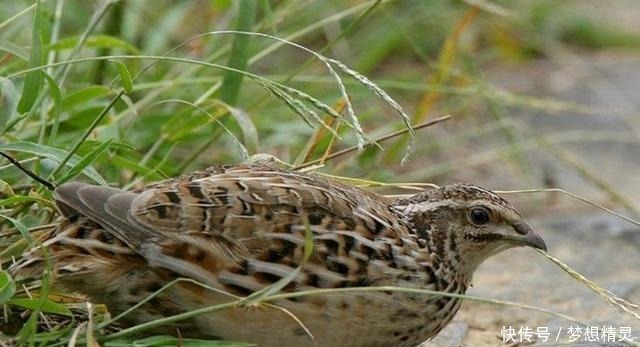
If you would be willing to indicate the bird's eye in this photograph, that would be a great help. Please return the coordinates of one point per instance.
(479, 215)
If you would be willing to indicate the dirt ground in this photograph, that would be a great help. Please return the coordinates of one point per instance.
(602, 247)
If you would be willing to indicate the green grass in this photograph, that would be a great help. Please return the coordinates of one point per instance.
(130, 92)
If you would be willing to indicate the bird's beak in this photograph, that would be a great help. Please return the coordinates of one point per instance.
(528, 237)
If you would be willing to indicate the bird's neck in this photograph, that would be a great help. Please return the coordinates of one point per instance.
(449, 255)
(450, 259)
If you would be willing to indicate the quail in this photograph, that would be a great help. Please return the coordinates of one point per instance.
(239, 229)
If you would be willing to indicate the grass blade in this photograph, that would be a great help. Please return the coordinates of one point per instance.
(48, 306)
(239, 52)
(127, 81)
(54, 154)
(33, 80)
(56, 95)
(7, 287)
(8, 101)
(85, 161)
(94, 41)
(86, 133)
(241, 148)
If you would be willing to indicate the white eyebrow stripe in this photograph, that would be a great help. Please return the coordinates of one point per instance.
(434, 205)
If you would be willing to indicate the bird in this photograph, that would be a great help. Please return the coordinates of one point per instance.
(236, 230)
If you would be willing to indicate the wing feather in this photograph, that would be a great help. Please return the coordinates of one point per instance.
(106, 206)
(223, 222)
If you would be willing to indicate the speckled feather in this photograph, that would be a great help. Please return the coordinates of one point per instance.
(239, 229)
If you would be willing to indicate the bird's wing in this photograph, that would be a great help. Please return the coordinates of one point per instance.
(245, 226)
(107, 206)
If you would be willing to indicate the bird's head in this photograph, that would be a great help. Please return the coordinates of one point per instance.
(465, 224)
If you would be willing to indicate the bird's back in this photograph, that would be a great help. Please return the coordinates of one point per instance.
(238, 230)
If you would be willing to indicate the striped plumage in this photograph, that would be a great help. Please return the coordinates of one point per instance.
(239, 229)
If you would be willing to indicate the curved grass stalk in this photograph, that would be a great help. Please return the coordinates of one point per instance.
(577, 197)
(243, 150)
(282, 296)
(327, 62)
(257, 78)
(609, 297)
(18, 15)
